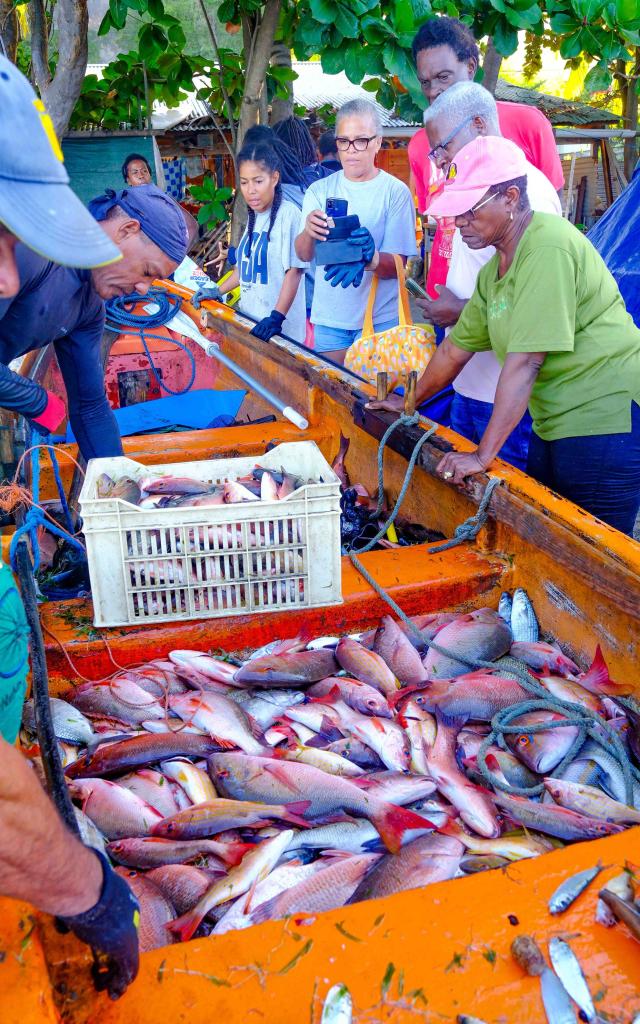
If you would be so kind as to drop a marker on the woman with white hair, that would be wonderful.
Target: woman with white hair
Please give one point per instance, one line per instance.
(387, 227)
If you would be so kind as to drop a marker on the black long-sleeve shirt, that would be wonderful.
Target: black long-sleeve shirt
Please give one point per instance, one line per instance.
(58, 305)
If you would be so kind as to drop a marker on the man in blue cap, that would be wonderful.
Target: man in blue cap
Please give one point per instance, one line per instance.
(40, 861)
(60, 304)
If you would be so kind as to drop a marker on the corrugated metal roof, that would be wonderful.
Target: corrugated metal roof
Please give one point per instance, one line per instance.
(558, 110)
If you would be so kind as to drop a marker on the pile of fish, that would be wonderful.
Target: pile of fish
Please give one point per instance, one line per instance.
(184, 492)
(322, 772)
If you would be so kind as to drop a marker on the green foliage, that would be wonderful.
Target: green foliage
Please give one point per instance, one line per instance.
(215, 203)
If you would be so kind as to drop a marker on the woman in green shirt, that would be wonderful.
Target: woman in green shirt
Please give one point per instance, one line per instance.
(550, 310)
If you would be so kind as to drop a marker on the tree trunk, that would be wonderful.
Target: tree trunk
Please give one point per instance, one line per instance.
(9, 28)
(631, 117)
(60, 93)
(282, 108)
(491, 67)
(257, 55)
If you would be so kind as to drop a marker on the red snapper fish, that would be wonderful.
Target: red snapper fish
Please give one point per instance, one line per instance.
(481, 635)
(478, 695)
(474, 805)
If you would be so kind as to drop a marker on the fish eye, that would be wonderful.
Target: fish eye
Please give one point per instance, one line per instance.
(523, 741)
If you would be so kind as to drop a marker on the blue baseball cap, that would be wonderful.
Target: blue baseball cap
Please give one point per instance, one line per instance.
(37, 203)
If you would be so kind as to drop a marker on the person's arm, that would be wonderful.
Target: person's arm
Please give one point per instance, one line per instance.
(232, 282)
(91, 417)
(512, 398)
(289, 290)
(399, 234)
(383, 264)
(443, 368)
(40, 861)
(445, 311)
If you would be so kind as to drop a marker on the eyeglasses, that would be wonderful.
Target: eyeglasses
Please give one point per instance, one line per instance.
(443, 145)
(344, 144)
(470, 214)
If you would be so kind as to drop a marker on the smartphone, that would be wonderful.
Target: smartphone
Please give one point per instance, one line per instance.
(336, 208)
(415, 288)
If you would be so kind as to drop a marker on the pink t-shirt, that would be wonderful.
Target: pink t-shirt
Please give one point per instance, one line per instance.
(527, 127)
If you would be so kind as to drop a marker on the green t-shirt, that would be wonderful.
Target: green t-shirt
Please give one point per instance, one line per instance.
(558, 297)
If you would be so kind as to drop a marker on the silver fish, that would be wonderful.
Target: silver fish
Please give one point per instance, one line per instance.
(68, 722)
(265, 706)
(504, 607)
(571, 888)
(557, 1004)
(567, 966)
(524, 624)
(338, 1006)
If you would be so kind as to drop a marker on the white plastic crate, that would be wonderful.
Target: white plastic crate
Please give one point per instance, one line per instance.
(163, 564)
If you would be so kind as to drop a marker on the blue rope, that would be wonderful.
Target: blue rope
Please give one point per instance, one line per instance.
(35, 516)
(120, 314)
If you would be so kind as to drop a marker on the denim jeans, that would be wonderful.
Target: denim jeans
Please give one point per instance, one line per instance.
(470, 417)
(601, 473)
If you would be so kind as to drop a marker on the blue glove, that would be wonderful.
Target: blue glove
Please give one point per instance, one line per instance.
(345, 274)
(111, 929)
(232, 256)
(363, 237)
(208, 291)
(271, 325)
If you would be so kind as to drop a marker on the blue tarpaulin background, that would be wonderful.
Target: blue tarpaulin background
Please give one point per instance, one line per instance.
(616, 236)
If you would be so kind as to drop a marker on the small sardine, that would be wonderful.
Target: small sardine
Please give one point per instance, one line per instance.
(524, 624)
(567, 966)
(621, 887)
(505, 606)
(570, 889)
(623, 910)
(69, 724)
(173, 485)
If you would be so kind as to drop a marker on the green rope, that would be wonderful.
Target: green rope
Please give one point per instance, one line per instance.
(587, 721)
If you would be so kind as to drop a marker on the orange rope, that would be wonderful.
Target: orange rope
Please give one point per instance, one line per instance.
(13, 494)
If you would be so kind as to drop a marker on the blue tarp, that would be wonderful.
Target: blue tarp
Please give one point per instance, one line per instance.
(194, 410)
(616, 236)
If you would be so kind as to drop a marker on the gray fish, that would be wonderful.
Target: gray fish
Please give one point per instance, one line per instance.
(89, 833)
(338, 1006)
(571, 888)
(504, 607)
(69, 724)
(357, 836)
(524, 624)
(567, 966)
(473, 863)
(266, 706)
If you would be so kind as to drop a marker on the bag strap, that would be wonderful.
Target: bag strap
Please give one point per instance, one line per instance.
(367, 326)
(404, 310)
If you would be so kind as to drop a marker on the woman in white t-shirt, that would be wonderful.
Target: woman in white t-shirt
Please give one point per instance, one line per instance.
(267, 269)
(387, 218)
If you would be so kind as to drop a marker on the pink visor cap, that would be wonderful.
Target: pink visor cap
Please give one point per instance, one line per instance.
(488, 160)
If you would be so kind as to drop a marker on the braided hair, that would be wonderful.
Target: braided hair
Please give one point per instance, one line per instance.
(265, 155)
(295, 133)
(291, 170)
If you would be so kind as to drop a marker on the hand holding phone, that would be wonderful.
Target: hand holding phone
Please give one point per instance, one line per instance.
(335, 208)
(415, 288)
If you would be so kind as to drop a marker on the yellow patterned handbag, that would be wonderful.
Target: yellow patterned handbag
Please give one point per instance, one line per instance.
(397, 350)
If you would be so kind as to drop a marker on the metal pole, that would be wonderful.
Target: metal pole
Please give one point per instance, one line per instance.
(298, 420)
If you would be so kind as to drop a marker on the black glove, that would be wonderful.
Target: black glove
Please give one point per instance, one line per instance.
(364, 238)
(271, 325)
(208, 291)
(345, 274)
(111, 929)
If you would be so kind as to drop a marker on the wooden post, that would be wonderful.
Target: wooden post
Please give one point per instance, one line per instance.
(410, 393)
(382, 384)
(606, 171)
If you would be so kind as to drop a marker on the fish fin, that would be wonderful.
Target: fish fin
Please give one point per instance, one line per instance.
(597, 680)
(250, 895)
(264, 911)
(336, 854)
(392, 822)
(471, 762)
(492, 762)
(184, 927)
(223, 743)
(295, 810)
(452, 828)
(279, 772)
(326, 698)
(456, 722)
(377, 724)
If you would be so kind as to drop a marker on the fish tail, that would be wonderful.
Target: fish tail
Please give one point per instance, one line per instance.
(184, 927)
(392, 822)
(597, 680)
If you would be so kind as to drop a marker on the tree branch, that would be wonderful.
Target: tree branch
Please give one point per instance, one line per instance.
(491, 67)
(39, 30)
(225, 95)
(9, 28)
(256, 66)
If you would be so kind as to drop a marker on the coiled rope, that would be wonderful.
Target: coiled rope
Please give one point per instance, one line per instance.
(120, 313)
